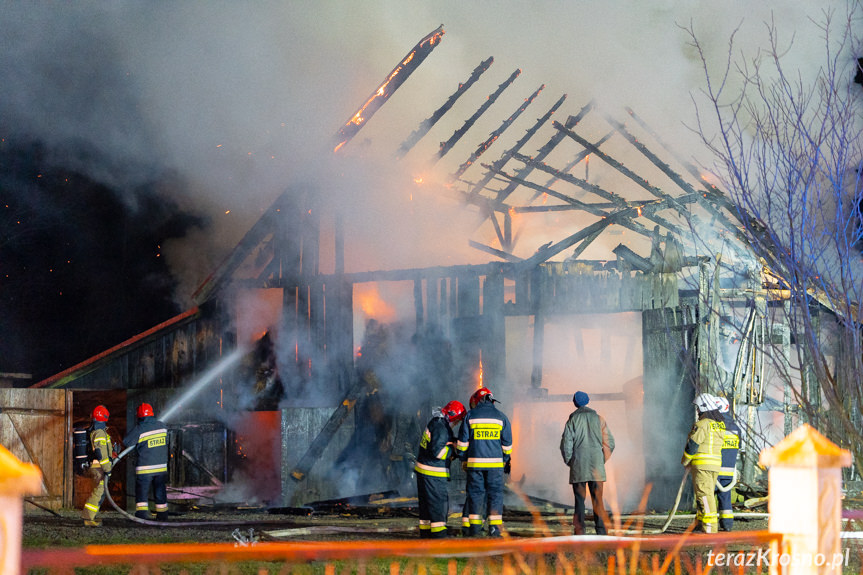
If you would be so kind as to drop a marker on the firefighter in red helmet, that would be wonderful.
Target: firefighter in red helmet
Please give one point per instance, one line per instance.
(100, 464)
(485, 443)
(436, 451)
(479, 396)
(150, 438)
(475, 398)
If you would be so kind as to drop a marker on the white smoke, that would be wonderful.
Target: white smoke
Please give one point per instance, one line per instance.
(240, 100)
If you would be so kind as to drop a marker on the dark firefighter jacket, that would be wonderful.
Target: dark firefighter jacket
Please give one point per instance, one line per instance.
(100, 444)
(436, 448)
(485, 437)
(150, 438)
(730, 447)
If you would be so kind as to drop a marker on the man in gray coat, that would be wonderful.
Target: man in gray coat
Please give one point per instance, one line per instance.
(586, 445)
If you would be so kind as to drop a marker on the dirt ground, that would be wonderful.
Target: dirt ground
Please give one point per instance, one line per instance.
(43, 529)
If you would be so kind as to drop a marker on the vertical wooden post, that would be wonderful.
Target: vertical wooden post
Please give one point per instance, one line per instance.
(418, 303)
(432, 304)
(805, 502)
(494, 342)
(537, 296)
(811, 387)
(785, 366)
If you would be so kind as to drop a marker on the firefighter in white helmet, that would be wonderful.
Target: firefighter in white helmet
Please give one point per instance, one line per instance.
(703, 456)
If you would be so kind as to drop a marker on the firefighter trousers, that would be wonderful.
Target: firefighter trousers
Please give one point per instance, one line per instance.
(485, 486)
(600, 517)
(433, 497)
(97, 497)
(143, 481)
(704, 483)
(726, 513)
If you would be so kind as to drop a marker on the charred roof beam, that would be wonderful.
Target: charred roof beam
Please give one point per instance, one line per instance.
(653, 190)
(584, 155)
(501, 162)
(545, 253)
(429, 122)
(495, 252)
(456, 136)
(593, 209)
(593, 188)
(393, 81)
(709, 201)
(545, 150)
(496, 134)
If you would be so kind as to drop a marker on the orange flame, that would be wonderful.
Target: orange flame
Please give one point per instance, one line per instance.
(372, 304)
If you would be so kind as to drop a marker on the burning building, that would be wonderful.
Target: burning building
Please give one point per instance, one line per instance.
(286, 384)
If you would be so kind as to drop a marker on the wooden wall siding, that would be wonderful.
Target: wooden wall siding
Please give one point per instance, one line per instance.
(578, 288)
(299, 428)
(34, 427)
(667, 339)
(168, 360)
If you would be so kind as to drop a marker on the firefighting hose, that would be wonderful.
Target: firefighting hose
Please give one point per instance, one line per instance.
(107, 478)
(676, 501)
(719, 487)
(309, 529)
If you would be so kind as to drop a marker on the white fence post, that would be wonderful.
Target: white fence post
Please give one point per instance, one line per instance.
(16, 480)
(805, 502)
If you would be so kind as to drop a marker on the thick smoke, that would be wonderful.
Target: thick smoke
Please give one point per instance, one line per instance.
(243, 99)
(239, 101)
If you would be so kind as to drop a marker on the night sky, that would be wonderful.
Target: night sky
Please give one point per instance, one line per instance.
(80, 268)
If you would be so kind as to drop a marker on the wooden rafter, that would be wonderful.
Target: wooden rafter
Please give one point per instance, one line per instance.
(476, 188)
(429, 122)
(480, 150)
(456, 136)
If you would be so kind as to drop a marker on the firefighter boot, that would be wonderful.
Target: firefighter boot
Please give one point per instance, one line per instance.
(494, 531)
(161, 516)
(143, 514)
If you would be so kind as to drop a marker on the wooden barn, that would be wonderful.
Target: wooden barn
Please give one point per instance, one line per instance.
(273, 395)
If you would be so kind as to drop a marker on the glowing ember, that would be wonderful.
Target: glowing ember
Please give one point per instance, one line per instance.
(394, 79)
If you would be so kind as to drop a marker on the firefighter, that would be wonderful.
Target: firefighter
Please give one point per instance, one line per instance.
(703, 456)
(485, 443)
(586, 444)
(437, 447)
(728, 472)
(100, 464)
(150, 438)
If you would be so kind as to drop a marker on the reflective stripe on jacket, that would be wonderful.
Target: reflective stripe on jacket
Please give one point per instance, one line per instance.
(704, 446)
(485, 437)
(436, 448)
(100, 442)
(150, 438)
(730, 447)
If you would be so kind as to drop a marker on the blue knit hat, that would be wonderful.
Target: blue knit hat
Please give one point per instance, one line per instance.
(580, 399)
